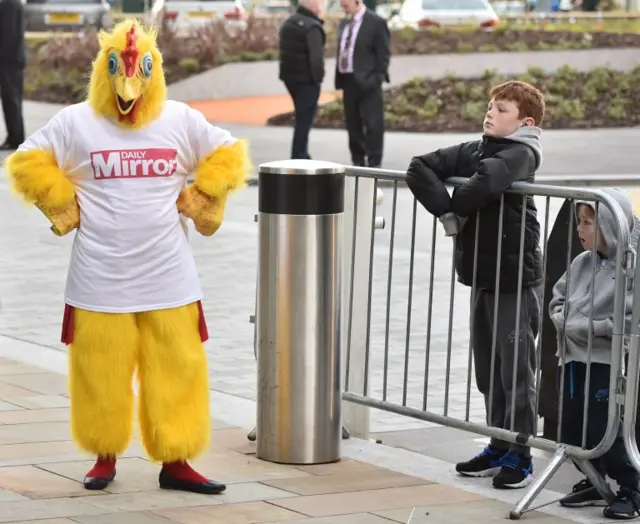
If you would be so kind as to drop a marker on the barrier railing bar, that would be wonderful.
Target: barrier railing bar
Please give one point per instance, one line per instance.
(563, 351)
(543, 312)
(447, 376)
(516, 347)
(389, 280)
(633, 374)
(587, 380)
(472, 427)
(353, 268)
(409, 304)
(429, 315)
(494, 323)
(472, 320)
(368, 342)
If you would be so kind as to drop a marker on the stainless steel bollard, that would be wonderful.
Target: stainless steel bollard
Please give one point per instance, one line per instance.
(301, 206)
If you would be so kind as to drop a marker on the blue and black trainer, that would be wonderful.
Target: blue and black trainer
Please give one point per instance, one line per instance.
(486, 464)
(516, 472)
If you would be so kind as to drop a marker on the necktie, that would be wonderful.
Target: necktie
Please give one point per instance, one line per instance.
(344, 57)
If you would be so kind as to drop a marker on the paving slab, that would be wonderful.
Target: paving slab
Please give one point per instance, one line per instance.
(349, 491)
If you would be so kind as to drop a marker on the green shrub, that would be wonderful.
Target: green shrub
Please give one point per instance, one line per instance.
(617, 109)
(431, 108)
(572, 108)
(473, 111)
(189, 65)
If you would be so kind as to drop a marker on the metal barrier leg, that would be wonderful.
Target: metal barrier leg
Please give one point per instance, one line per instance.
(596, 479)
(539, 483)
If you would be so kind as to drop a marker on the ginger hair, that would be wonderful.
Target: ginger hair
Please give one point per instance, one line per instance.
(529, 99)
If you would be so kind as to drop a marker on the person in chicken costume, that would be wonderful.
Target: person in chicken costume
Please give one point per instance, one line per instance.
(115, 169)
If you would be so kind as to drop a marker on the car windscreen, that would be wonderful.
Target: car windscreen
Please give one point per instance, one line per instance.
(452, 5)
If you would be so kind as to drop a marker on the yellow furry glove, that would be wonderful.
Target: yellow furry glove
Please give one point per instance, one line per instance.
(206, 211)
(63, 221)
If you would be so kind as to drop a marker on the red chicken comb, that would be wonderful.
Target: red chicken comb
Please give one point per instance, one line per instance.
(130, 53)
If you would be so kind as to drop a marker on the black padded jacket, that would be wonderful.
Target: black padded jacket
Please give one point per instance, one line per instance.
(491, 165)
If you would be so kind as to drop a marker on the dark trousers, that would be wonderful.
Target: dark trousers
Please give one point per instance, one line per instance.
(504, 390)
(305, 101)
(11, 88)
(615, 463)
(364, 117)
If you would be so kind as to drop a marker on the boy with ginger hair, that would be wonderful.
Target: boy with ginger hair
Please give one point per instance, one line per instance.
(508, 151)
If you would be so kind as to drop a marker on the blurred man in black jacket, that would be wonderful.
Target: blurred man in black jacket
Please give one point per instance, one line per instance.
(302, 41)
(12, 64)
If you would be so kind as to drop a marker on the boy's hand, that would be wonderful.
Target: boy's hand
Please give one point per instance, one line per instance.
(450, 223)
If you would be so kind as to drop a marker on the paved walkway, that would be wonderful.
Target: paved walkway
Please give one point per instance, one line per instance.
(257, 79)
(41, 476)
(33, 266)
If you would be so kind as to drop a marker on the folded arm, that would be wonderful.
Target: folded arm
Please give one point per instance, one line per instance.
(494, 175)
(425, 178)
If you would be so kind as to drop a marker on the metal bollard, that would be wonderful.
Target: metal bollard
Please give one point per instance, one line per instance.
(299, 411)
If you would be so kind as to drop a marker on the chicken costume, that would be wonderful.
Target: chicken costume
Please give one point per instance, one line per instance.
(115, 168)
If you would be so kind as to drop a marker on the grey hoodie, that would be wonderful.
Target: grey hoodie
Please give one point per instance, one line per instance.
(530, 136)
(569, 310)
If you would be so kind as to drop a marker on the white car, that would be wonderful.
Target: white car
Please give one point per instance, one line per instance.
(183, 15)
(424, 14)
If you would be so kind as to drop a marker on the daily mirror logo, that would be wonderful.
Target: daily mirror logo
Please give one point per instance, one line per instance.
(134, 163)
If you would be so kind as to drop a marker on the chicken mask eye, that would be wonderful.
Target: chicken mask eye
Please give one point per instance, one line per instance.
(147, 65)
(113, 64)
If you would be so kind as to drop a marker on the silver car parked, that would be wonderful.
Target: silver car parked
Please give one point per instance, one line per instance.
(67, 15)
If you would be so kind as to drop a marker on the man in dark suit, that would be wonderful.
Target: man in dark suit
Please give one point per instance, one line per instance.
(302, 41)
(361, 67)
(12, 64)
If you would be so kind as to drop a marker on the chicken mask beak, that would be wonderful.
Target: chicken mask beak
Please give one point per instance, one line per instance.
(130, 74)
(128, 92)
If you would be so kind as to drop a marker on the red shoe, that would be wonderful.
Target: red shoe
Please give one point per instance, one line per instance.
(101, 474)
(180, 476)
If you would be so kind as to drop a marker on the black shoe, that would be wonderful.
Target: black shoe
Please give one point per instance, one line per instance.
(98, 483)
(516, 472)
(625, 506)
(210, 487)
(583, 495)
(485, 464)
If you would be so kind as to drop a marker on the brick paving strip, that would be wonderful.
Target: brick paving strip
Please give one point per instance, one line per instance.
(41, 474)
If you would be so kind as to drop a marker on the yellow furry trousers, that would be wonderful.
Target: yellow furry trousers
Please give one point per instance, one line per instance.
(164, 349)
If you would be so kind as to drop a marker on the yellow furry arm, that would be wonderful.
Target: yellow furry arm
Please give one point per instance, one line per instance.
(36, 177)
(206, 212)
(225, 169)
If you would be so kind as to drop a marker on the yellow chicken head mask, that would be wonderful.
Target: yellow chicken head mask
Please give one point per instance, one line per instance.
(127, 81)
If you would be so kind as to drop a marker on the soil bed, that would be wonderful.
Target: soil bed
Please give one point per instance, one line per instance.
(599, 98)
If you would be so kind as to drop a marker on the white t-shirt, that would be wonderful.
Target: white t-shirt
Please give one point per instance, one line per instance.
(131, 252)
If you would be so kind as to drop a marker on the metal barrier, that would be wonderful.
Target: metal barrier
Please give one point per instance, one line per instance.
(633, 375)
(372, 365)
